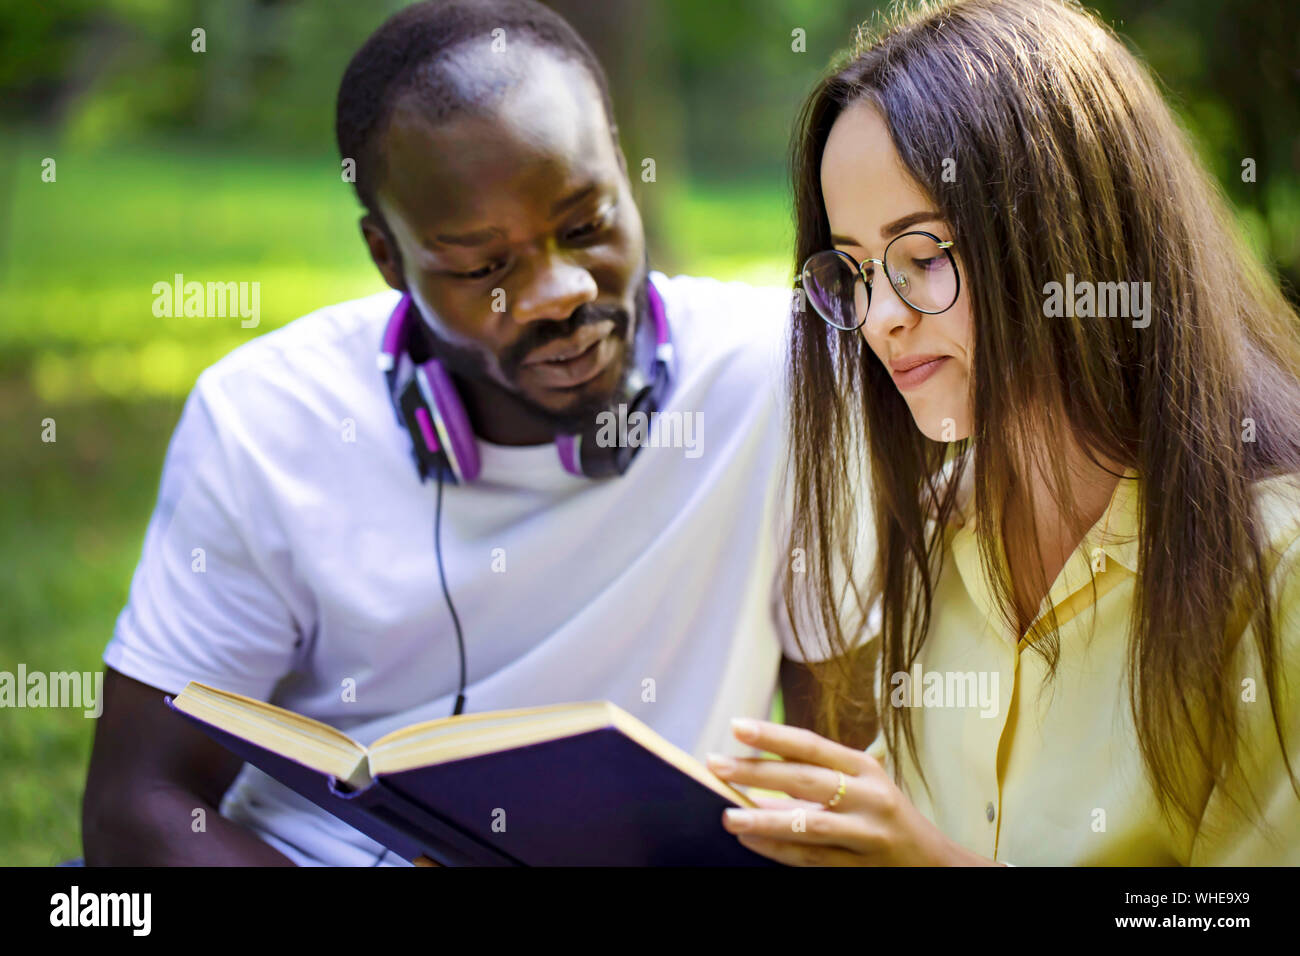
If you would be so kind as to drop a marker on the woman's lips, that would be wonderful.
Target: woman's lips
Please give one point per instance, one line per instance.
(574, 371)
(918, 374)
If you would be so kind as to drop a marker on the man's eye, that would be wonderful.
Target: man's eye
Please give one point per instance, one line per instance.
(480, 273)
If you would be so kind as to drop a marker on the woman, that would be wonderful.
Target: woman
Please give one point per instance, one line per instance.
(1081, 398)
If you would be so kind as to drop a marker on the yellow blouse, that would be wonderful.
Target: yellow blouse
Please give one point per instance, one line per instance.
(1025, 770)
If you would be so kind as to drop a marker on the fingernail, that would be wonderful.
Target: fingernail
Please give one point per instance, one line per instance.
(721, 764)
(744, 728)
(738, 819)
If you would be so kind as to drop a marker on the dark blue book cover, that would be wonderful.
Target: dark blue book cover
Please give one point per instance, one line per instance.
(595, 798)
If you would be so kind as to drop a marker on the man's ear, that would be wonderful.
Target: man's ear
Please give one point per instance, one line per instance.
(383, 251)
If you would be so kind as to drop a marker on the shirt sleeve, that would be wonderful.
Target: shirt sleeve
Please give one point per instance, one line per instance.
(1226, 836)
(850, 583)
(817, 645)
(204, 604)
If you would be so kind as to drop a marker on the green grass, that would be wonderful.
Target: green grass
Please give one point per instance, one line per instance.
(79, 343)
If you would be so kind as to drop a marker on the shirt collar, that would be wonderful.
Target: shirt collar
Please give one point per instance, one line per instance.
(1118, 531)
(1116, 536)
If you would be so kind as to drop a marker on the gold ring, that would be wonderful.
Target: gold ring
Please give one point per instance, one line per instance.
(839, 794)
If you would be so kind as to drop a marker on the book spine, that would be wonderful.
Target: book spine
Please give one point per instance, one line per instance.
(444, 842)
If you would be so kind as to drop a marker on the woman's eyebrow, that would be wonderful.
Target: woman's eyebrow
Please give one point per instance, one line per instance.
(906, 222)
(892, 228)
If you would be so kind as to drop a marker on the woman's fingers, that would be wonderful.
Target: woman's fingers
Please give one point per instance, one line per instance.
(802, 837)
(802, 854)
(822, 827)
(796, 743)
(784, 803)
(816, 785)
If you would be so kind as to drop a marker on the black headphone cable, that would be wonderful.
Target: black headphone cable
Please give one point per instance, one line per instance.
(442, 576)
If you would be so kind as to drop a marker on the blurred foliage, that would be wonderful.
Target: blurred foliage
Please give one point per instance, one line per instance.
(708, 89)
(221, 166)
(1232, 72)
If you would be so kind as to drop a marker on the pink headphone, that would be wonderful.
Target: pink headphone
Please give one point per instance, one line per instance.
(441, 436)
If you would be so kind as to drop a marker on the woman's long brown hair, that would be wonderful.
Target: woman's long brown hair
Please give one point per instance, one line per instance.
(1062, 159)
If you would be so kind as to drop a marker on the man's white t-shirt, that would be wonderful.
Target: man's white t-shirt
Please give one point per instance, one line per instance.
(291, 555)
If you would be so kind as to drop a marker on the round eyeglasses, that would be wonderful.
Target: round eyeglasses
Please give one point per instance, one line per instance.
(921, 269)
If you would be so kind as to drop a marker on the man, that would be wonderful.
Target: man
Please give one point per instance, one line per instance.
(292, 556)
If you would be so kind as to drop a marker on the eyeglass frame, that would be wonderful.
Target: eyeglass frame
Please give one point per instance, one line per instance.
(859, 268)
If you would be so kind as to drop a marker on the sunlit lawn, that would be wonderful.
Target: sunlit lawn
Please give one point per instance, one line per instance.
(79, 344)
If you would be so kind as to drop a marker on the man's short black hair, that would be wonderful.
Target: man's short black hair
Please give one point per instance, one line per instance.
(403, 56)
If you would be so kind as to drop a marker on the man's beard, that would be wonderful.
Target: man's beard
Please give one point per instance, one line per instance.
(468, 364)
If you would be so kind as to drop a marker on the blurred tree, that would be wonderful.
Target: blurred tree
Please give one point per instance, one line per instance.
(708, 90)
(1232, 71)
(632, 41)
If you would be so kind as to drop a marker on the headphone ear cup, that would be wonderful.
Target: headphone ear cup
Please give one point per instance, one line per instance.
(596, 461)
(643, 391)
(428, 405)
(425, 445)
(450, 420)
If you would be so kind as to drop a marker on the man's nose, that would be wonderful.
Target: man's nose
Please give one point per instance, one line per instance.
(552, 288)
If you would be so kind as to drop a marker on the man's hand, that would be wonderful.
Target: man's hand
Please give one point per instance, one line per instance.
(150, 770)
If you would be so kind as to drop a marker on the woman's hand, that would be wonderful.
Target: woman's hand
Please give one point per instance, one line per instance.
(869, 823)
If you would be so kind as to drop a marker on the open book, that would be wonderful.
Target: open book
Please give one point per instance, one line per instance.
(564, 785)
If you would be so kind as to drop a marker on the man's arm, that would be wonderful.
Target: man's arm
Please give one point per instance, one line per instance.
(798, 694)
(149, 771)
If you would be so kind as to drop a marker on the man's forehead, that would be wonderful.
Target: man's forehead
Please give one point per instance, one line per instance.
(529, 142)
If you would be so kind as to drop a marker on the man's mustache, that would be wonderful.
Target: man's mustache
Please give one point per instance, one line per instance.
(538, 334)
